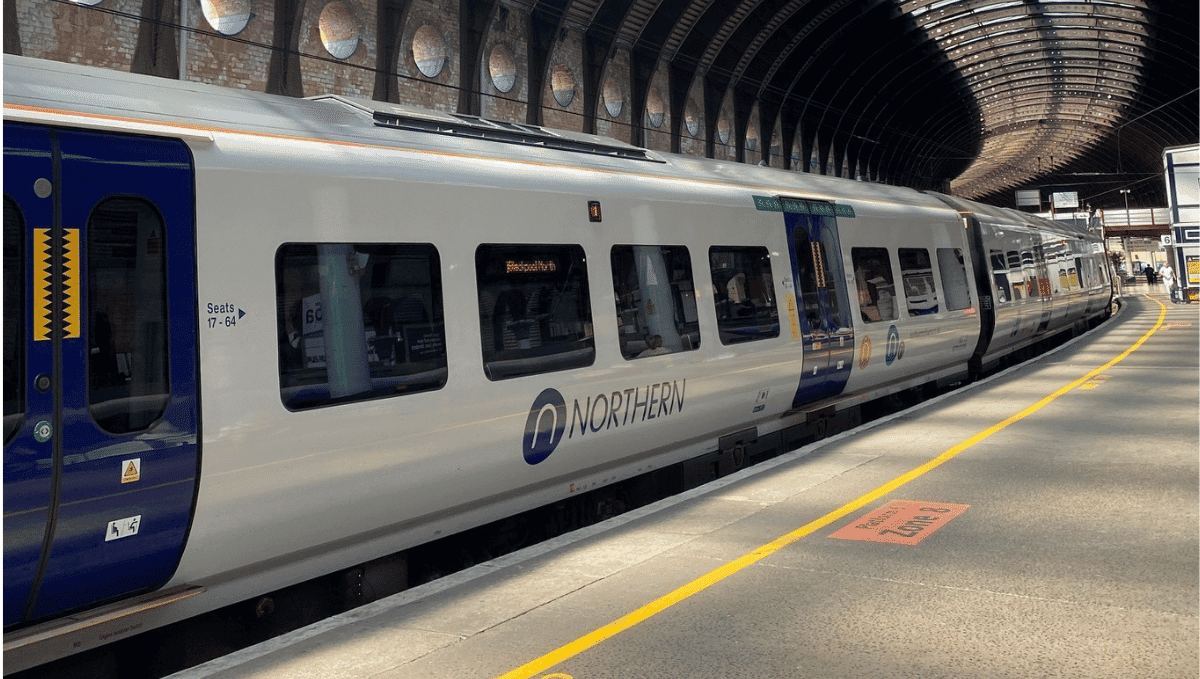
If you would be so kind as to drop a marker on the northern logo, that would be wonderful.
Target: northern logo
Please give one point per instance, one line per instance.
(895, 348)
(545, 425)
(549, 418)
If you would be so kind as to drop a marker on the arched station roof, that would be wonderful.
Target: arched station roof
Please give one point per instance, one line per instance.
(978, 97)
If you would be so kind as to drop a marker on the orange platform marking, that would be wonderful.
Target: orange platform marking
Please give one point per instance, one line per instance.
(903, 522)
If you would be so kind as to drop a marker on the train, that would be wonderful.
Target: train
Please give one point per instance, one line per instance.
(252, 339)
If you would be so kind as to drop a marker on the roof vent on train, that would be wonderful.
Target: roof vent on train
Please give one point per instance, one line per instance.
(474, 127)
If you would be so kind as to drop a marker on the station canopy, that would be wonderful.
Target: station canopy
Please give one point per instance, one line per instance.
(976, 97)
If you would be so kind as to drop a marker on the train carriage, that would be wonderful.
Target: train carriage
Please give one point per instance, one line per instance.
(250, 340)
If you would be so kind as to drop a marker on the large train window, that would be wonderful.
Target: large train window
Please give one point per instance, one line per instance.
(920, 291)
(744, 294)
(656, 300)
(358, 321)
(534, 310)
(876, 286)
(128, 378)
(14, 317)
(954, 278)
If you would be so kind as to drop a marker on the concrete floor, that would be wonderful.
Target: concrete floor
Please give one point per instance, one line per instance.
(1077, 555)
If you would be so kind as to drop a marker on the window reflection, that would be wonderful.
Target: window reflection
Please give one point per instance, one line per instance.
(128, 377)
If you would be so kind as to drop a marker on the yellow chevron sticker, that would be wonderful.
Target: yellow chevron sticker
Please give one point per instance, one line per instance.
(41, 284)
(71, 289)
(793, 316)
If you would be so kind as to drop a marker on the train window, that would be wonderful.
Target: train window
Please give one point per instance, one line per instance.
(916, 272)
(14, 317)
(1000, 276)
(954, 278)
(744, 294)
(656, 300)
(876, 286)
(816, 272)
(358, 321)
(1016, 275)
(534, 310)
(128, 377)
(1032, 281)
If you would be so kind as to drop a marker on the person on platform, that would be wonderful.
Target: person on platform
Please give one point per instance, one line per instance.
(1168, 279)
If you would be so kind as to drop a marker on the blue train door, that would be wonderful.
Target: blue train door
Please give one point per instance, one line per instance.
(100, 384)
(817, 269)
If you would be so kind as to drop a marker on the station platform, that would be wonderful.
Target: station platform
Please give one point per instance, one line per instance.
(1043, 523)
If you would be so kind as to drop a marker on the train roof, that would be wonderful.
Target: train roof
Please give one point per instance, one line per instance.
(1011, 217)
(51, 92)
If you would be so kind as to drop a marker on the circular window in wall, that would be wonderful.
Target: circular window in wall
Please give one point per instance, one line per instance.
(691, 120)
(614, 98)
(339, 30)
(723, 129)
(429, 51)
(751, 137)
(655, 110)
(502, 68)
(227, 17)
(562, 83)
(87, 3)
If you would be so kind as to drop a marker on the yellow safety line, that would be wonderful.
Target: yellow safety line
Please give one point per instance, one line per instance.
(623, 623)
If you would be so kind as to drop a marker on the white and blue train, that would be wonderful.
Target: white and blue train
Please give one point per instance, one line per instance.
(250, 340)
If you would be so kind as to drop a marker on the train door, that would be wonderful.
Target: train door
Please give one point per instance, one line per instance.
(828, 336)
(100, 384)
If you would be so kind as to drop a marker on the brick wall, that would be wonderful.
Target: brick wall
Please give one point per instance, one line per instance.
(777, 145)
(616, 81)
(417, 89)
(75, 33)
(693, 116)
(658, 100)
(507, 31)
(79, 34)
(724, 149)
(239, 60)
(566, 60)
(343, 23)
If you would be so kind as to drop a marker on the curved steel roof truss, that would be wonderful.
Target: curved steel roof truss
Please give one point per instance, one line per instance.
(978, 97)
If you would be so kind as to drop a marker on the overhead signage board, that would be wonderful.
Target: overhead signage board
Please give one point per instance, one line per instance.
(802, 207)
(1065, 200)
(1029, 198)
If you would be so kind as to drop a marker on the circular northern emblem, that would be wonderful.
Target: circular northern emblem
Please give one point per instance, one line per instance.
(864, 353)
(894, 345)
(544, 426)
